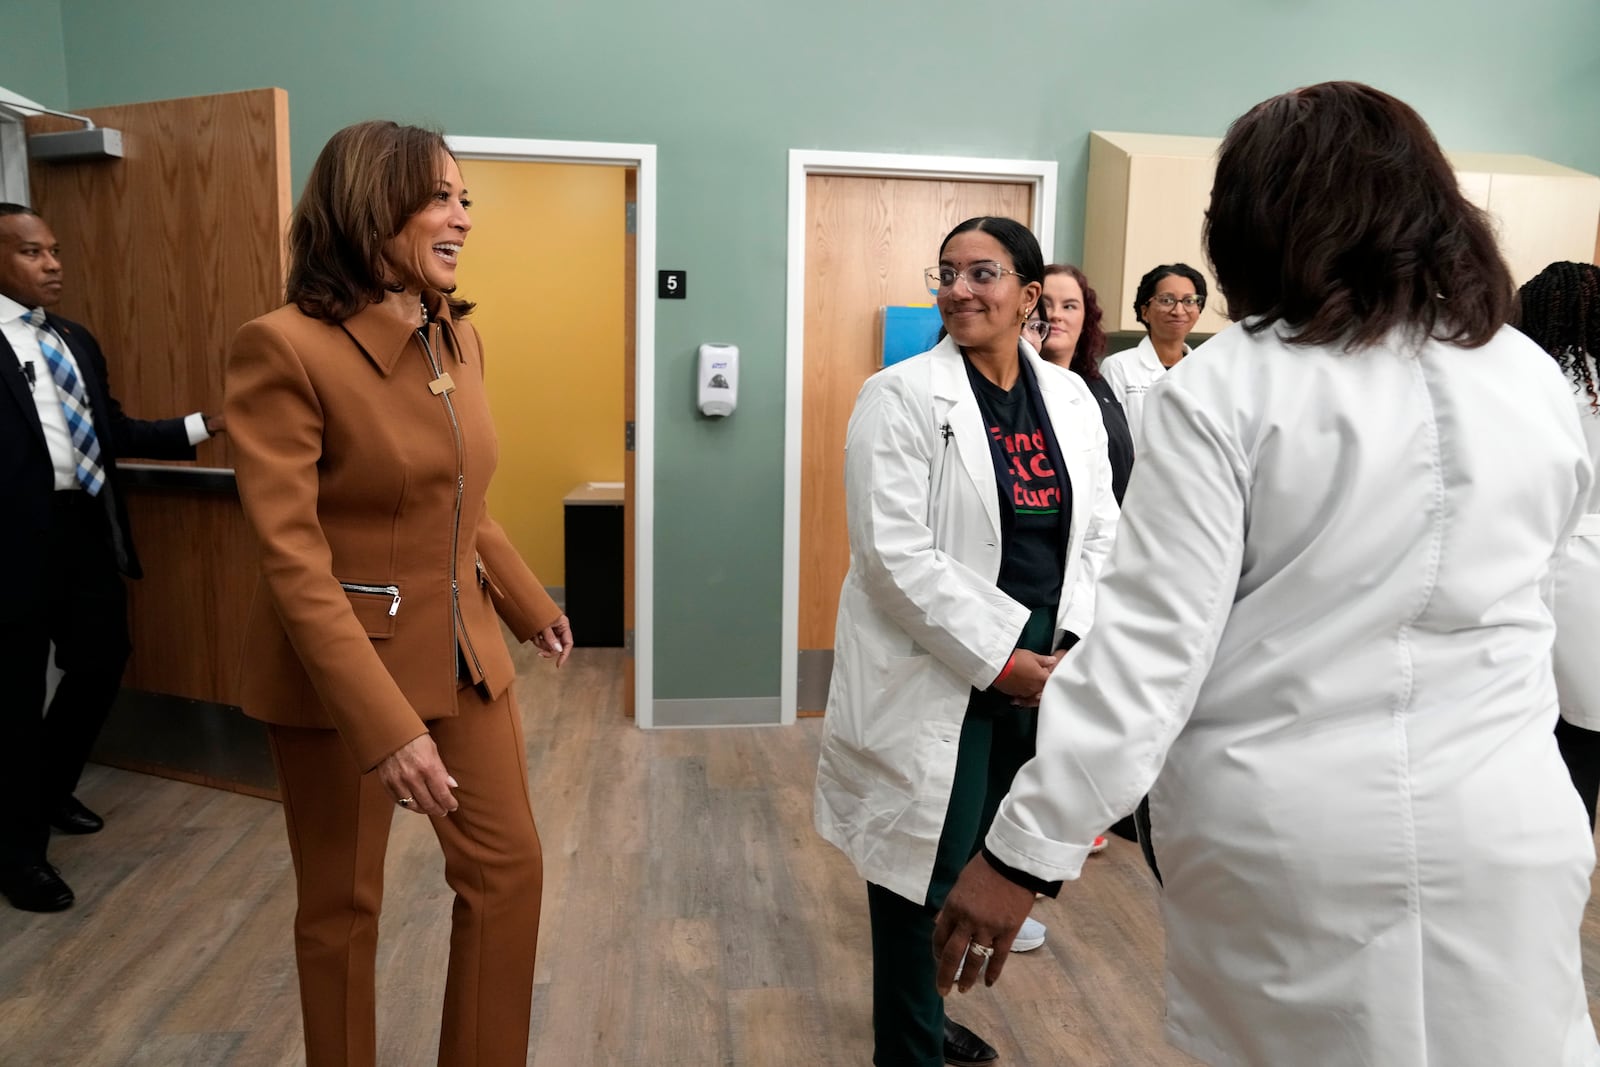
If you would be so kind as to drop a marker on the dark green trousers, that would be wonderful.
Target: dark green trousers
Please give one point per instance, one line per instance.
(996, 740)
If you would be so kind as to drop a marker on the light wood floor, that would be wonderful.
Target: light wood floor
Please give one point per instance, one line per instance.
(691, 916)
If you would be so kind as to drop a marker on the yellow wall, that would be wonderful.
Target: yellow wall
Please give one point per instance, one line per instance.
(545, 262)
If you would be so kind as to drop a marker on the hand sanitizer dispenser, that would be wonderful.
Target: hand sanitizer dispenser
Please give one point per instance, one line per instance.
(718, 378)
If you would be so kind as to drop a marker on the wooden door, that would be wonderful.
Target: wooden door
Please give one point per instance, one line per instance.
(868, 241)
(167, 251)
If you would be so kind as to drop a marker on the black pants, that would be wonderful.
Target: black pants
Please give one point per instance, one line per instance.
(907, 1011)
(83, 611)
(1581, 750)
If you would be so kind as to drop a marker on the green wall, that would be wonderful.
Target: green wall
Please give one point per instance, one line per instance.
(726, 88)
(32, 58)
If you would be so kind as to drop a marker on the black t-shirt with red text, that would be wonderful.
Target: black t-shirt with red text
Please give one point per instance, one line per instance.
(1035, 498)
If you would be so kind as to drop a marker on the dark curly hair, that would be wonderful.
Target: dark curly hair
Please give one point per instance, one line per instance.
(1334, 212)
(1092, 338)
(1560, 309)
(1152, 278)
(368, 180)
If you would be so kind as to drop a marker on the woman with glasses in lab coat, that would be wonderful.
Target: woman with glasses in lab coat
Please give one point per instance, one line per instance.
(1168, 301)
(980, 508)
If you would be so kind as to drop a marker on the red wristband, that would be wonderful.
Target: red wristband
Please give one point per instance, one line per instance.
(1004, 670)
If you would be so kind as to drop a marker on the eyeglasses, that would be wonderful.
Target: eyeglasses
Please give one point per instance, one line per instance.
(1038, 329)
(1166, 302)
(980, 277)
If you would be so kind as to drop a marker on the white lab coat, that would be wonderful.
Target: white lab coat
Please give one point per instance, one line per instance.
(1130, 374)
(1577, 600)
(1323, 614)
(921, 621)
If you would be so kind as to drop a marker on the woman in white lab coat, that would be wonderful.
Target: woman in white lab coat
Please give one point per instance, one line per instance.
(980, 510)
(1559, 309)
(1324, 628)
(1168, 301)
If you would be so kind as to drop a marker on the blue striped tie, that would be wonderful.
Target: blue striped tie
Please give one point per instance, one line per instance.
(74, 405)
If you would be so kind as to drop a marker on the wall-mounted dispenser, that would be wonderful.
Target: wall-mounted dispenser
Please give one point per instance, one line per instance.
(718, 378)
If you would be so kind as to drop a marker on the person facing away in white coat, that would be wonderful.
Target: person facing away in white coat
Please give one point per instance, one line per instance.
(1324, 639)
(980, 510)
(1559, 308)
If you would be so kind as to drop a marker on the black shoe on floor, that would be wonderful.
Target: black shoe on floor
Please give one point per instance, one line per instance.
(35, 887)
(963, 1048)
(71, 817)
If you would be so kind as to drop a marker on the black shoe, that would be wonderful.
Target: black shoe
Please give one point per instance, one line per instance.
(35, 887)
(963, 1048)
(71, 817)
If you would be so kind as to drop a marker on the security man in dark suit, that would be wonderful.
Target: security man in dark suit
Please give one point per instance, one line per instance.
(64, 546)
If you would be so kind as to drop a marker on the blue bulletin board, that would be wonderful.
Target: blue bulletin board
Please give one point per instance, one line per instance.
(907, 330)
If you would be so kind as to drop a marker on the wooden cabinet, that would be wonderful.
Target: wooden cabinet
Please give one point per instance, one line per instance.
(1148, 193)
(1542, 212)
(1146, 206)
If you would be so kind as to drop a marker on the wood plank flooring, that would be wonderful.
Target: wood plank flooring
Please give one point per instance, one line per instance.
(691, 916)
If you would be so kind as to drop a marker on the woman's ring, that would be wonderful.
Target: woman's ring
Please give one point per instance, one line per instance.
(406, 802)
(981, 951)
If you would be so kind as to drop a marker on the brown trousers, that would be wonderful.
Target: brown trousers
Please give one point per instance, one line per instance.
(339, 822)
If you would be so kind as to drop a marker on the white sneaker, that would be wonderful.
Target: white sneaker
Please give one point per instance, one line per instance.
(1030, 937)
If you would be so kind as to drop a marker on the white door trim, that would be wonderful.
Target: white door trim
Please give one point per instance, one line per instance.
(642, 157)
(1040, 173)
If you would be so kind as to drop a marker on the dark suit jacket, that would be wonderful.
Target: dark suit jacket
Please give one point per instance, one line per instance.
(27, 476)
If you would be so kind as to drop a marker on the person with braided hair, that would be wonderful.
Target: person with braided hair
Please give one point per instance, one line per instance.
(1560, 310)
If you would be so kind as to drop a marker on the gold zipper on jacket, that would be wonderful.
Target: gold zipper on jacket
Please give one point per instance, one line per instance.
(455, 531)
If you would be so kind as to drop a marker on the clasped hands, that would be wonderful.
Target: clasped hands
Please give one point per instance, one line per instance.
(1024, 682)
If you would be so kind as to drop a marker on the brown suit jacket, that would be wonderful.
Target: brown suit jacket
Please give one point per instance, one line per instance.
(353, 471)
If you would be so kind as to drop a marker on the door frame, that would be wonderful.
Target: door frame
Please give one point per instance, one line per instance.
(641, 157)
(804, 162)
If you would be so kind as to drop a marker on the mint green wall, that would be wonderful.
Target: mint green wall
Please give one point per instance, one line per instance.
(725, 88)
(32, 58)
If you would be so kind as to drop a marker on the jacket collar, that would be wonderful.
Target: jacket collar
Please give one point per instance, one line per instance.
(950, 384)
(382, 337)
(1147, 355)
(950, 374)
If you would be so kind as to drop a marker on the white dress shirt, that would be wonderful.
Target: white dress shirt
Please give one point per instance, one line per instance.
(24, 340)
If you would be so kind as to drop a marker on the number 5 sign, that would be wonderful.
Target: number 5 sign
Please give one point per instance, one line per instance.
(672, 284)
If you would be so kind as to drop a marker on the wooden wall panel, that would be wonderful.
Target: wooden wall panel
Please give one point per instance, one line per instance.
(167, 251)
(188, 613)
(868, 241)
(170, 249)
